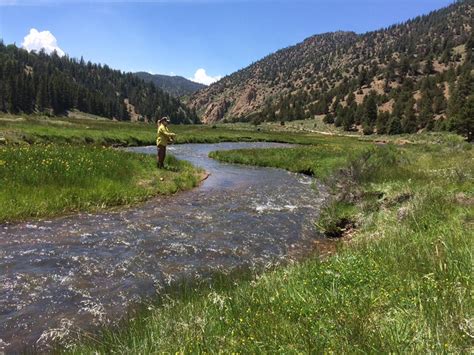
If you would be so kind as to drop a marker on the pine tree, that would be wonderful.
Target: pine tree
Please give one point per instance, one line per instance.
(429, 68)
(470, 48)
(439, 101)
(363, 78)
(465, 125)
(350, 99)
(349, 118)
(394, 125)
(328, 118)
(382, 123)
(404, 66)
(409, 118)
(367, 128)
(339, 116)
(359, 114)
(458, 100)
(42, 96)
(425, 105)
(370, 112)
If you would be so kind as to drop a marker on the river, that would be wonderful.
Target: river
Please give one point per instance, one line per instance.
(59, 276)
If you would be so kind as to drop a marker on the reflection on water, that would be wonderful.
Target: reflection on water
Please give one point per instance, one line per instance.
(61, 275)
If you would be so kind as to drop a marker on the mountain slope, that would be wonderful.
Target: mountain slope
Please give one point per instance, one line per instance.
(245, 91)
(176, 86)
(328, 72)
(37, 82)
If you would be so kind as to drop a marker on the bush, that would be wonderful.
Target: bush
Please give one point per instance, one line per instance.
(367, 129)
(329, 118)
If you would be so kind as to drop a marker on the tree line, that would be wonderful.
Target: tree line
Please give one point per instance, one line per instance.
(33, 82)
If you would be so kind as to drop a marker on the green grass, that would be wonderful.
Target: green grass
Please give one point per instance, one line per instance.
(46, 180)
(40, 129)
(320, 159)
(404, 284)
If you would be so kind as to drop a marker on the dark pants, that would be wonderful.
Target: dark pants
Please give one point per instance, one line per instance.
(161, 155)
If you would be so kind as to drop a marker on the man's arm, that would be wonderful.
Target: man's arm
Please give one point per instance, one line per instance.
(168, 133)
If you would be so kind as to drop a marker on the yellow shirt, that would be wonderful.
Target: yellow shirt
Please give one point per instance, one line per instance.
(164, 135)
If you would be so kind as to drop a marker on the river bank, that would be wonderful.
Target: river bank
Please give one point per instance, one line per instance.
(402, 285)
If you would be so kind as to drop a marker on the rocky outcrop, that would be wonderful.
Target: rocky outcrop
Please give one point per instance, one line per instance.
(216, 111)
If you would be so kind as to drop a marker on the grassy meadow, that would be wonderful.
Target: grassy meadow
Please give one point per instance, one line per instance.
(46, 180)
(53, 166)
(401, 283)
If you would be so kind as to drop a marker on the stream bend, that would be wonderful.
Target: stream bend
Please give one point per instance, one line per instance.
(86, 270)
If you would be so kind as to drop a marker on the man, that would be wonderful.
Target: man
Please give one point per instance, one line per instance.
(164, 138)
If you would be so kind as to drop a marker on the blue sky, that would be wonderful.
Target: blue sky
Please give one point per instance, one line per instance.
(182, 36)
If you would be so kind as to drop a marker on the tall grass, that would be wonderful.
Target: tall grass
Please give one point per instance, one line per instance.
(403, 285)
(44, 180)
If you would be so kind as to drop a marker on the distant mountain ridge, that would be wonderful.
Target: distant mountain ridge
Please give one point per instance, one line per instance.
(408, 71)
(176, 86)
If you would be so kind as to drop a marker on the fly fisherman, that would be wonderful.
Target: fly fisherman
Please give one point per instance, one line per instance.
(164, 138)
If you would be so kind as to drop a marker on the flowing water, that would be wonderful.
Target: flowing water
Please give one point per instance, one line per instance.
(62, 275)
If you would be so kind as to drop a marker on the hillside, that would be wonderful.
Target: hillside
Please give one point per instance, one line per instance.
(403, 78)
(176, 86)
(39, 83)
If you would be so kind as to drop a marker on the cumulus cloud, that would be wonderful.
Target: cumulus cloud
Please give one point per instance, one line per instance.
(35, 41)
(200, 76)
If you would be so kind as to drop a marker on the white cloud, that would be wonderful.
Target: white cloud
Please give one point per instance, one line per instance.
(35, 41)
(200, 76)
